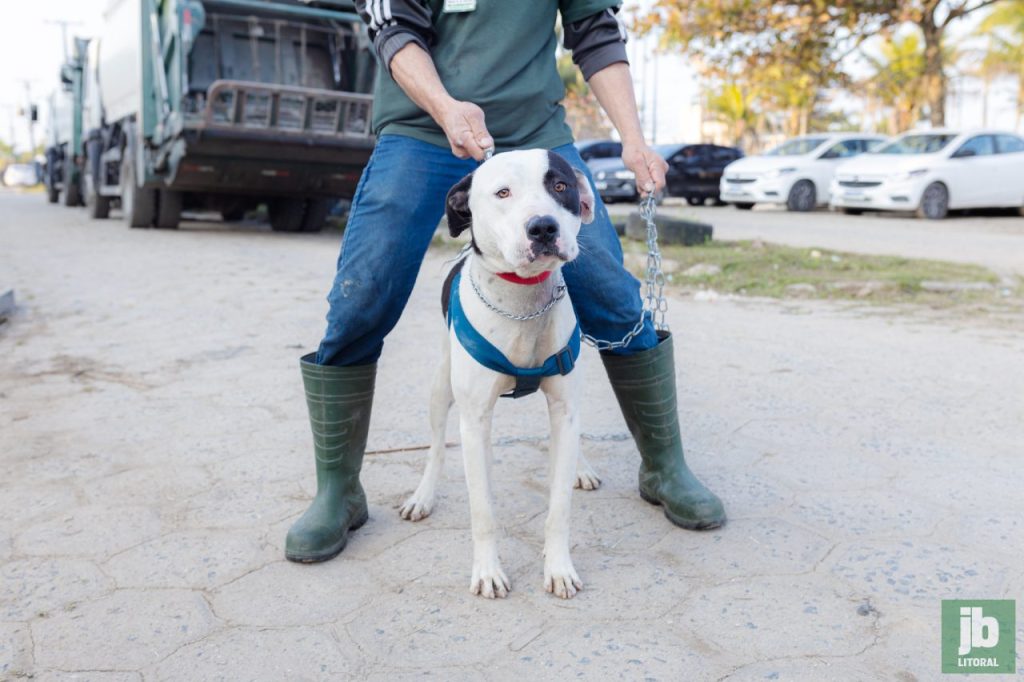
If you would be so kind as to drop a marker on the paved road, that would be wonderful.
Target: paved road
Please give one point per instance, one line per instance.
(154, 449)
(996, 242)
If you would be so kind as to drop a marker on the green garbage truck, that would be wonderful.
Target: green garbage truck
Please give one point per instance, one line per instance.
(62, 152)
(221, 105)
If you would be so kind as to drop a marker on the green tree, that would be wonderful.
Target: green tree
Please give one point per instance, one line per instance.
(809, 37)
(732, 105)
(1004, 55)
(898, 82)
(583, 112)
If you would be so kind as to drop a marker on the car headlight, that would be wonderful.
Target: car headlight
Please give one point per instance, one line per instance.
(600, 175)
(903, 177)
(624, 174)
(779, 172)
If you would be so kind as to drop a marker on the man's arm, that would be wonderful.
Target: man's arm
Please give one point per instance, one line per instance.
(598, 45)
(613, 86)
(402, 33)
(462, 122)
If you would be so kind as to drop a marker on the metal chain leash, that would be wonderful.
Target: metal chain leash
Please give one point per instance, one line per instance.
(655, 303)
(557, 295)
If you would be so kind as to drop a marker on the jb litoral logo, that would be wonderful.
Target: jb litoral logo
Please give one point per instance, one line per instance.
(978, 636)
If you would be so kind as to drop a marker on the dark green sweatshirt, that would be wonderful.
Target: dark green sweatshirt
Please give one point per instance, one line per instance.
(500, 56)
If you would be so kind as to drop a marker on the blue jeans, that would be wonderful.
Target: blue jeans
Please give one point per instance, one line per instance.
(396, 209)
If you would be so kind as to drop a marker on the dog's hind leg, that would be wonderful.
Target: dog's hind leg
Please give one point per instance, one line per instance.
(586, 477)
(421, 503)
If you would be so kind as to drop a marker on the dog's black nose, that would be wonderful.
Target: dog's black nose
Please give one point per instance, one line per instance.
(542, 229)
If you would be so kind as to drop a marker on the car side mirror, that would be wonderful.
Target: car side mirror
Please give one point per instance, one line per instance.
(964, 153)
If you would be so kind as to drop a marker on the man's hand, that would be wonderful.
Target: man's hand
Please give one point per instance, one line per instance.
(647, 165)
(463, 124)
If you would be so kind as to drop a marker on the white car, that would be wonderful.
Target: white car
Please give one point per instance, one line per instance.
(797, 173)
(933, 172)
(20, 175)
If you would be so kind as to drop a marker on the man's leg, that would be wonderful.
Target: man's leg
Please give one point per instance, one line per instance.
(395, 211)
(642, 374)
(397, 206)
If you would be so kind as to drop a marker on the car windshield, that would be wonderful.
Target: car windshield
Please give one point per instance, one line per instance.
(797, 147)
(667, 150)
(917, 144)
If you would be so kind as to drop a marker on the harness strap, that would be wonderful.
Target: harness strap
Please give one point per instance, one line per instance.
(487, 354)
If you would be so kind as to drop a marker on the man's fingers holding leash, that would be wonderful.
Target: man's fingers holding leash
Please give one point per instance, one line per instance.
(467, 132)
(648, 167)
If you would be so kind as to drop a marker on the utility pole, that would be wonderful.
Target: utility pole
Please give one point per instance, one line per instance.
(63, 23)
(654, 99)
(29, 110)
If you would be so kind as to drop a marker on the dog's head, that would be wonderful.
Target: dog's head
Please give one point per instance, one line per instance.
(525, 209)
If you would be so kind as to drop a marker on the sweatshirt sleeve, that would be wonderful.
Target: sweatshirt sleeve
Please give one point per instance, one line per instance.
(596, 41)
(393, 24)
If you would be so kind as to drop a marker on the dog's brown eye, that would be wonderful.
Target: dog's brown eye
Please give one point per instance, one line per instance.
(503, 193)
(559, 186)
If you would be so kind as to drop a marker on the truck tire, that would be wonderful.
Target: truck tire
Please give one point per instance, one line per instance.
(317, 211)
(168, 209)
(97, 205)
(286, 215)
(137, 203)
(72, 194)
(232, 215)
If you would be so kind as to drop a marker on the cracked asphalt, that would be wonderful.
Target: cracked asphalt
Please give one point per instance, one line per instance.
(154, 449)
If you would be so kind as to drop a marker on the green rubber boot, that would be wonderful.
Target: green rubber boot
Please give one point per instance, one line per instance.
(645, 386)
(339, 400)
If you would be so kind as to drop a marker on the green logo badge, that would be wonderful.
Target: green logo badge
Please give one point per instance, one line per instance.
(978, 636)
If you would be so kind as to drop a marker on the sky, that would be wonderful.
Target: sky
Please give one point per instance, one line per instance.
(31, 50)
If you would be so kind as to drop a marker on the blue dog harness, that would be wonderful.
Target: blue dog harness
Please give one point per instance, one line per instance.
(483, 351)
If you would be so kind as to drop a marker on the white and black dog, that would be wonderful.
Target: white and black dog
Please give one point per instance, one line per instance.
(512, 330)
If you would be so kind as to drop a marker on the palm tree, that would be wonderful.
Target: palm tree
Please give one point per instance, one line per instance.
(1004, 27)
(733, 107)
(899, 81)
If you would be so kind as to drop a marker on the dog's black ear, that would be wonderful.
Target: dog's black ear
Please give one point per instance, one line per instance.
(456, 207)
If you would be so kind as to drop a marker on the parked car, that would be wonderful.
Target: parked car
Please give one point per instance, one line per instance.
(694, 172)
(934, 172)
(21, 175)
(598, 149)
(797, 173)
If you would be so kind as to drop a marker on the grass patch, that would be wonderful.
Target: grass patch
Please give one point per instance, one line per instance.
(755, 268)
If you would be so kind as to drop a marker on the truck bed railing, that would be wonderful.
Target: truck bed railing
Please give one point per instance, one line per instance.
(286, 110)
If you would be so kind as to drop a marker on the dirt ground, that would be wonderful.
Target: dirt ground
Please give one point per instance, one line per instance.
(154, 449)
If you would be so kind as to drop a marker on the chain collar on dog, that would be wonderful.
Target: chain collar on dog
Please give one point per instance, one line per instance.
(556, 296)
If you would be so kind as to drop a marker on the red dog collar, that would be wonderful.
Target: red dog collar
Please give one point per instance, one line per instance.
(516, 279)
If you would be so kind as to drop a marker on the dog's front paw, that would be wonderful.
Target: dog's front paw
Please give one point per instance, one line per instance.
(560, 578)
(489, 580)
(418, 506)
(586, 477)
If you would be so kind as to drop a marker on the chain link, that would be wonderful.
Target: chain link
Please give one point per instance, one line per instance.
(557, 295)
(655, 304)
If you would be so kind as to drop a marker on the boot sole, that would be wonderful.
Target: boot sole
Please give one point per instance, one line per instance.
(682, 523)
(333, 551)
